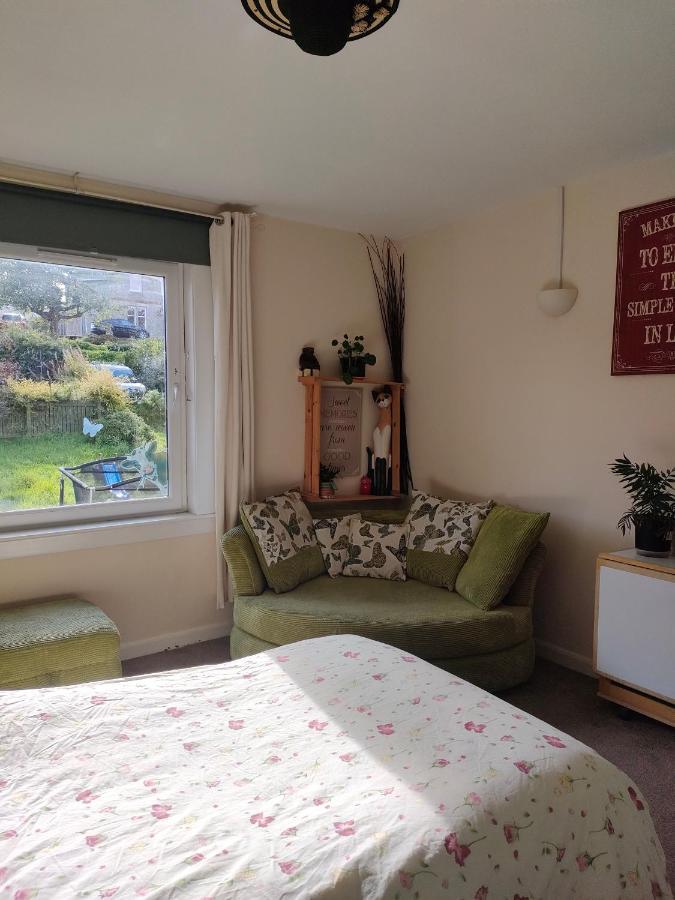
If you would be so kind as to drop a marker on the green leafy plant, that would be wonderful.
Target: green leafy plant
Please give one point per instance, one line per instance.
(125, 427)
(328, 474)
(146, 358)
(36, 354)
(152, 408)
(353, 357)
(652, 493)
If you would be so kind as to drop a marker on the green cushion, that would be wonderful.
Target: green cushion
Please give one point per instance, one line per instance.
(242, 562)
(288, 573)
(57, 642)
(502, 546)
(436, 569)
(430, 622)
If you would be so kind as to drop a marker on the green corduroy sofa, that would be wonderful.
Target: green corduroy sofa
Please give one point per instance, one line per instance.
(494, 649)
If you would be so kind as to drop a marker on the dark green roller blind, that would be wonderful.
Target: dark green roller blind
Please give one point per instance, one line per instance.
(53, 219)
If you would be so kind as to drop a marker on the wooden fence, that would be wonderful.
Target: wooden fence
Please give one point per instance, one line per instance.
(44, 418)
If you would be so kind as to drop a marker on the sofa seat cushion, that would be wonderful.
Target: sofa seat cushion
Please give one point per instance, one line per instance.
(428, 621)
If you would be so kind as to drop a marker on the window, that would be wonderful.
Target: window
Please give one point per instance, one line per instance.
(135, 283)
(92, 415)
(136, 316)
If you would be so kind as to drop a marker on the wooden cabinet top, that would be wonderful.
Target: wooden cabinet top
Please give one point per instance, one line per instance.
(632, 558)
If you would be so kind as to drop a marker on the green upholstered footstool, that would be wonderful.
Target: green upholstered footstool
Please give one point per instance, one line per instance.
(57, 642)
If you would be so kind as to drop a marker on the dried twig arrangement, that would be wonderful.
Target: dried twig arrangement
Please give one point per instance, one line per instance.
(388, 267)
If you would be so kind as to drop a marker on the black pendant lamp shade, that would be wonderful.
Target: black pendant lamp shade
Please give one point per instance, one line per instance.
(321, 27)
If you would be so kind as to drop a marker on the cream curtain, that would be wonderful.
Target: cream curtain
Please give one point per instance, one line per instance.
(233, 350)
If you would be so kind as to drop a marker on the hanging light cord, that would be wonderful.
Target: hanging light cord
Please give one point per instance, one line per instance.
(562, 234)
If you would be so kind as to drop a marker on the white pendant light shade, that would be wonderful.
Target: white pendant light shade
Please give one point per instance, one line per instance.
(559, 300)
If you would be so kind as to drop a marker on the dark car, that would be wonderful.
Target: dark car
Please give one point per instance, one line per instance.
(119, 328)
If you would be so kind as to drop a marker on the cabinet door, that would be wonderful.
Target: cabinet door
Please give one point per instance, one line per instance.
(635, 640)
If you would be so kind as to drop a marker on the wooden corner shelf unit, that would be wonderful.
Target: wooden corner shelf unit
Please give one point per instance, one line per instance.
(313, 385)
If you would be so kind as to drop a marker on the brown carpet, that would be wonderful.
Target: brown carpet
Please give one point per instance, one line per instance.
(642, 748)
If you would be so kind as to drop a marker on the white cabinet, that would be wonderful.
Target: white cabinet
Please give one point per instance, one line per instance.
(634, 648)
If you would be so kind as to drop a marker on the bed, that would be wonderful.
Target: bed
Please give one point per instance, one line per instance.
(331, 768)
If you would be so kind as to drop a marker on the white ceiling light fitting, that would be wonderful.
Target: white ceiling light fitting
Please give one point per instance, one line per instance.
(558, 301)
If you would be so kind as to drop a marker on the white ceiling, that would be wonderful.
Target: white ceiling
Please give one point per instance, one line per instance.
(453, 105)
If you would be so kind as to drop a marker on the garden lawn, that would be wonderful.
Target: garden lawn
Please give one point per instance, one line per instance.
(29, 466)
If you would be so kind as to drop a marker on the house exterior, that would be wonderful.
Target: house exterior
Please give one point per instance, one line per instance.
(137, 298)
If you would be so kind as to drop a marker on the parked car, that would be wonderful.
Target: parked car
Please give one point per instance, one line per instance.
(119, 328)
(12, 318)
(125, 377)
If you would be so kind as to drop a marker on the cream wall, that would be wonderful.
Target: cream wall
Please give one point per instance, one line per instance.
(507, 403)
(159, 593)
(309, 285)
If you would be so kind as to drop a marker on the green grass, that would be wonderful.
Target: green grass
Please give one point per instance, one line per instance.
(29, 467)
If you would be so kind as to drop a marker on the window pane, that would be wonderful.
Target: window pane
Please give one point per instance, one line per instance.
(82, 386)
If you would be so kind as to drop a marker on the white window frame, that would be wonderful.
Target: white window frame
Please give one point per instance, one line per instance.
(112, 511)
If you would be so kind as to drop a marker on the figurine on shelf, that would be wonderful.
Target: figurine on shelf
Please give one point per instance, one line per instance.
(381, 463)
(308, 363)
(366, 485)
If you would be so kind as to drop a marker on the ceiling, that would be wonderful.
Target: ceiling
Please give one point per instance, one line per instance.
(454, 105)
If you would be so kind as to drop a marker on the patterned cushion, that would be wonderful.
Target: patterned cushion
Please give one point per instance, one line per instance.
(442, 533)
(500, 551)
(377, 551)
(282, 534)
(333, 537)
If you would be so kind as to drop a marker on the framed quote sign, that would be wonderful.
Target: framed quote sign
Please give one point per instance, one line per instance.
(341, 429)
(644, 311)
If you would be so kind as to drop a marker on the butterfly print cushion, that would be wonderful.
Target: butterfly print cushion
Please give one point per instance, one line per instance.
(282, 534)
(442, 533)
(333, 538)
(377, 551)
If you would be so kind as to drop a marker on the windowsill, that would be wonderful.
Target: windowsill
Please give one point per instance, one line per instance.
(39, 541)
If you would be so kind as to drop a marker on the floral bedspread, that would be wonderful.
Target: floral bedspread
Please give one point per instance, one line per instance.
(337, 767)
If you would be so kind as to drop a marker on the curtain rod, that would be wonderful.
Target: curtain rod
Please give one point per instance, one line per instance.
(105, 190)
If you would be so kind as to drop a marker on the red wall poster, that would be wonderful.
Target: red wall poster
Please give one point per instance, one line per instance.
(644, 311)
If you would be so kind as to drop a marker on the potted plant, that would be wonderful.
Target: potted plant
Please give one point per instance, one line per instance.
(653, 508)
(327, 475)
(353, 358)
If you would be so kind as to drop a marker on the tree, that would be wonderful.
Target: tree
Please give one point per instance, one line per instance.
(53, 292)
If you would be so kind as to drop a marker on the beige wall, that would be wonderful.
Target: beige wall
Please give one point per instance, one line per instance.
(507, 403)
(309, 285)
(163, 587)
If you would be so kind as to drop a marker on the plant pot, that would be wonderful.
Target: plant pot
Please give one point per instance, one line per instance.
(653, 537)
(357, 367)
(326, 491)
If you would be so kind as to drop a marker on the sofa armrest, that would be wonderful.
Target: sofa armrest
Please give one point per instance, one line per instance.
(523, 589)
(242, 563)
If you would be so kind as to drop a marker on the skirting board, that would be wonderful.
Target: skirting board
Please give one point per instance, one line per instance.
(133, 649)
(566, 658)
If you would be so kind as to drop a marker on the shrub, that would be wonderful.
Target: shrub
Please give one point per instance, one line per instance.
(101, 354)
(75, 365)
(125, 427)
(38, 355)
(98, 386)
(24, 391)
(146, 358)
(152, 408)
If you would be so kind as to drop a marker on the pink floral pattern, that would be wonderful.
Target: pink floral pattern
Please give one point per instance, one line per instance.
(301, 774)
